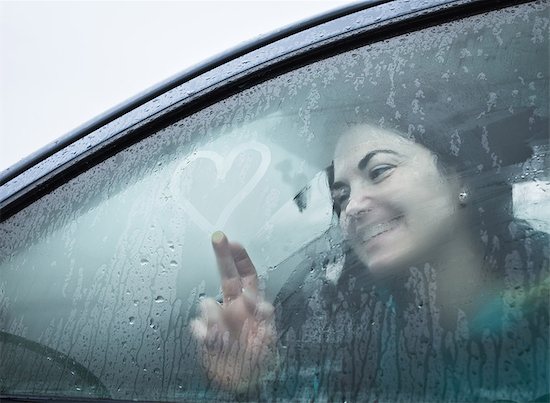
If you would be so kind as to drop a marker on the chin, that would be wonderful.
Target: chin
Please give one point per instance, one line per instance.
(386, 265)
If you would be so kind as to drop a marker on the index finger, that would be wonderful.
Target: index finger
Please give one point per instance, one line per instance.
(231, 281)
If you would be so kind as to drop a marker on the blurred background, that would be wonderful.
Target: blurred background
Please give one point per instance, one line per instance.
(63, 63)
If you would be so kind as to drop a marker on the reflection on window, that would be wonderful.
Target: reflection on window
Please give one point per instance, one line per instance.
(393, 200)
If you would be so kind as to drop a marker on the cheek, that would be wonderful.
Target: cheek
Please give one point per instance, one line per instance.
(435, 216)
(427, 192)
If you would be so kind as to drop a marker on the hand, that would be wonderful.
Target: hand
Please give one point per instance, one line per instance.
(237, 337)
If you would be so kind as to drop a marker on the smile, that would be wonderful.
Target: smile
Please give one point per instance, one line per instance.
(372, 231)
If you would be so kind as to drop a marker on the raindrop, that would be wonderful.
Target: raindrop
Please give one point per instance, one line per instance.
(136, 302)
(144, 261)
(173, 263)
(131, 319)
(202, 296)
(159, 299)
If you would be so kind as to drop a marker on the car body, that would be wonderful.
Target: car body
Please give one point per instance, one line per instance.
(105, 234)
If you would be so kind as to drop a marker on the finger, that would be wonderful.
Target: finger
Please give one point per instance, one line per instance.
(211, 312)
(250, 300)
(231, 282)
(199, 330)
(264, 311)
(235, 315)
(248, 307)
(261, 309)
(245, 267)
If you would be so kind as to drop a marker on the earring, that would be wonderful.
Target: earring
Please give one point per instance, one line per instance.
(463, 197)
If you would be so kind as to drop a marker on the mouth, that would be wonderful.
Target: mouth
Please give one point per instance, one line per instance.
(371, 232)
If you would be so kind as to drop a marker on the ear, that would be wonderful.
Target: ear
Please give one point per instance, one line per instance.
(460, 188)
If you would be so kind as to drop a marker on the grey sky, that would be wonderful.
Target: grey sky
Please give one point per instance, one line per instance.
(63, 63)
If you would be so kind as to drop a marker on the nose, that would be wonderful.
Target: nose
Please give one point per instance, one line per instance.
(358, 204)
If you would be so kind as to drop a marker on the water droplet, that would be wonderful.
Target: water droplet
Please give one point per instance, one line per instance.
(131, 319)
(144, 261)
(136, 302)
(173, 263)
(159, 299)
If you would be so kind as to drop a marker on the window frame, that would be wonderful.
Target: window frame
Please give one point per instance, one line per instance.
(218, 78)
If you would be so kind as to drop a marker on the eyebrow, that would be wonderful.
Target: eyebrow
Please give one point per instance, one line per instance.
(335, 185)
(365, 160)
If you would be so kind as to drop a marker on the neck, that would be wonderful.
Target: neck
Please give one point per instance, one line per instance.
(460, 280)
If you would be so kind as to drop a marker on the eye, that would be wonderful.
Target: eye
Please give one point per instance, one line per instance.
(380, 171)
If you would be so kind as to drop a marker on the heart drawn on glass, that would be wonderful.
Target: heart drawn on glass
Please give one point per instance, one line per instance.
(223, 165)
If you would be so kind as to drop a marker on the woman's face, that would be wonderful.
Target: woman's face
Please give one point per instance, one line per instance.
(397, 209)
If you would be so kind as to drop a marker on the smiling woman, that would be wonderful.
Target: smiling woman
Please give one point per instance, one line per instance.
(396, 208)
(380, 254)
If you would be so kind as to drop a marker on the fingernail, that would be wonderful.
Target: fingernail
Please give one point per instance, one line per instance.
(218, 237)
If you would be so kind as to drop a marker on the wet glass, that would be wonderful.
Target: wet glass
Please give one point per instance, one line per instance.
(393, 199)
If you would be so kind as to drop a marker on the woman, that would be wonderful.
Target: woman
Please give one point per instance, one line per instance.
(437, 298)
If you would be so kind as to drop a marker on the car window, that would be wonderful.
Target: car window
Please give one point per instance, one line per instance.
(394, 201)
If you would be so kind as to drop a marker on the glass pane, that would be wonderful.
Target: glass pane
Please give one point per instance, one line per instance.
(393, 200)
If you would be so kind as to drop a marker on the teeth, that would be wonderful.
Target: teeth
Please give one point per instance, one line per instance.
(377, 229)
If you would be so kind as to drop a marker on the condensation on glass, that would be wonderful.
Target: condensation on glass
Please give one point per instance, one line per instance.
(394, 199)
